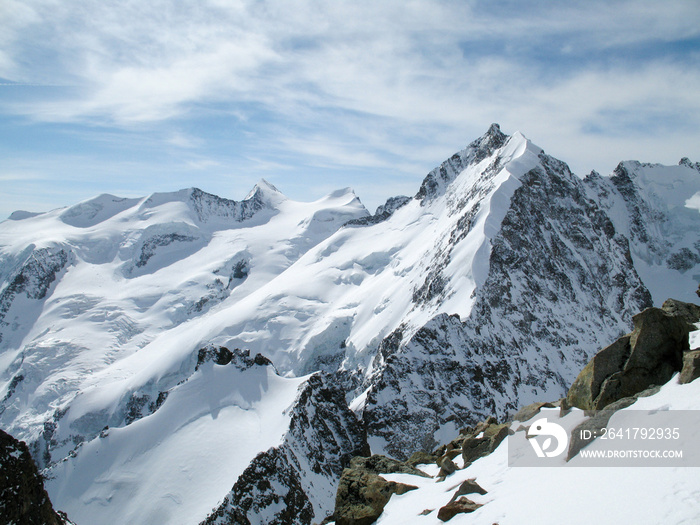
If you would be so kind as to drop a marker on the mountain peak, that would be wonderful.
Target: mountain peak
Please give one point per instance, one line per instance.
(265, 194)
(265, 187)
(485, 146)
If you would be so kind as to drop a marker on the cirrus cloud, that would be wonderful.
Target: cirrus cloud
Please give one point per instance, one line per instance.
(361, 85)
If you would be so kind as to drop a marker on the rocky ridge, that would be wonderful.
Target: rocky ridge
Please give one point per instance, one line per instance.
(559, 275)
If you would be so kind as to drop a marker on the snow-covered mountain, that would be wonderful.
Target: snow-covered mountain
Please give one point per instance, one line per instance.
(490, 288)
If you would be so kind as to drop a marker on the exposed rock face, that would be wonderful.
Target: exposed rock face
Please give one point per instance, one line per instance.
(223, 356)
(648, 356)
(559, 276)
(660, 228)
(689, 312)
(207, 205)
(436, 181)
(22, 495)
(296, 482)
(460, 506)
(691, 367)
(268, 492)
(363, 494)
(31, 280)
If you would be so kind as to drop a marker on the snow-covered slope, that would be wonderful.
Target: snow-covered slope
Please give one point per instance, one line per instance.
(174, 466)
(563, 493)
(101, 305)
(490, 288)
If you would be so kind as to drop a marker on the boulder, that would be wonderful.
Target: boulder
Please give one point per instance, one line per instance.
(650, 355)
(362, 496)
(687, 311)
(691, 367)
(447, 466)
(420, 458)
(483, 440)
(530, 411)
(469, 486)
(599, 421)
(378, 464)
(460, 506)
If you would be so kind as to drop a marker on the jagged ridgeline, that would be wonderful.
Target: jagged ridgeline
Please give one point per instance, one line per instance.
(127, 325)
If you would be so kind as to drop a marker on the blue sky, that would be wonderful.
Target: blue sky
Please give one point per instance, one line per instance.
(131, 97)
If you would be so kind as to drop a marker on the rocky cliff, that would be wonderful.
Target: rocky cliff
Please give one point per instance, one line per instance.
(23, 499)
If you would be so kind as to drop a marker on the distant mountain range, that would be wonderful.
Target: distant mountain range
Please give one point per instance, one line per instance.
(184, 357)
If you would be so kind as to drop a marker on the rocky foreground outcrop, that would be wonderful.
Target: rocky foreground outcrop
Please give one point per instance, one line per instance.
(636, 365)
(650, 355)
(363, 493)
(23, 499)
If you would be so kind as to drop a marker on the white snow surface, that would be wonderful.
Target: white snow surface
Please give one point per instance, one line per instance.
(175, 465)
(562, 494)
(126, 317)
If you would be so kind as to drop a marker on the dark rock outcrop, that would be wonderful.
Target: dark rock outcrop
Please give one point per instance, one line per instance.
(33, 280)
(460, 506)
(483, 439)
(691, 367)
(648, 356)
(362, 496)
(437, 180)
(257, 492)
(383, 212)
(23, 498)
(221, 355)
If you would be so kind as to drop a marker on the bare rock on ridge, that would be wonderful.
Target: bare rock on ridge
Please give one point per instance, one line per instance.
(650, 355)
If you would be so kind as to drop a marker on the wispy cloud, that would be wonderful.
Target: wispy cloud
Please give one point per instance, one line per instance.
(202, 164)
(361, 85)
